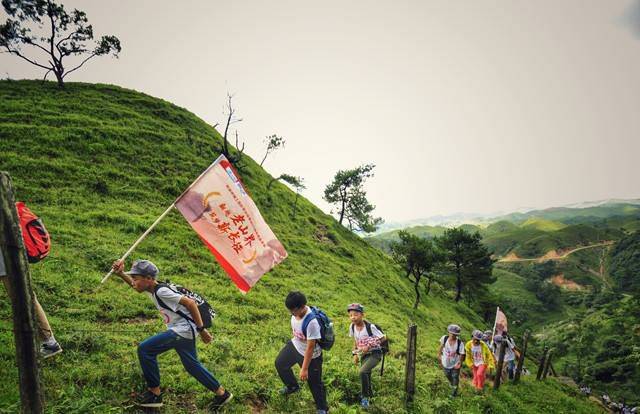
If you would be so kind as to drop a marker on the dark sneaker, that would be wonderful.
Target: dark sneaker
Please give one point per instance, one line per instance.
(288, 390)
(149, 399)
(221, 400)
(49, 350)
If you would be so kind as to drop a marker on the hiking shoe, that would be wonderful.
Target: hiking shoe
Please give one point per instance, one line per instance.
(322, 412)
(149, 399)
(49, 350)
(364, 403)
(221, 400)
(288, 391)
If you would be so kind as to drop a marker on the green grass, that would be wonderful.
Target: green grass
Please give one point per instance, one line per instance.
(99, 163)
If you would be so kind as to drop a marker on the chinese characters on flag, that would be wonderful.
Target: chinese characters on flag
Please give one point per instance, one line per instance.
(230, 225)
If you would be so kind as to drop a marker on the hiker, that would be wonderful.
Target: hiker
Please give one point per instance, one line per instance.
(367, 348)
(509, 354)
(183, 320)
(37, 245)
(451, 354)
(478, 357)
(487, 336)
(303, 349)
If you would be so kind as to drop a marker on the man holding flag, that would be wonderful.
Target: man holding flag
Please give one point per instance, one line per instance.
(182, 317)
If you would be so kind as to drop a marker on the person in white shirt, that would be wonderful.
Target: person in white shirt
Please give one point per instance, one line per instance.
(509, 352)
(452, 353)
(182, 317)
(303, 349)
(367, 348)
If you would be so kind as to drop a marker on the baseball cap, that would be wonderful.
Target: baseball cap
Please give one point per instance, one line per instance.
(355, 307)
(143, 268)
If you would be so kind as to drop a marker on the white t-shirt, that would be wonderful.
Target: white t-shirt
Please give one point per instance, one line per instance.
(450, 357)
(299, 339)
(174, 322)
(476, 352)
(509, 353)
(363, 339)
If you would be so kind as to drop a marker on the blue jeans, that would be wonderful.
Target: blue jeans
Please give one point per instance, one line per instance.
(150, 348)
(511, 368)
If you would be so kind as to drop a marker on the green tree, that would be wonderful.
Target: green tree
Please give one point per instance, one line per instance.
(625, 265)
(346, 192)
(418, 257)
(467, 258)
(274, 143)
(296, 182)
(60, 36)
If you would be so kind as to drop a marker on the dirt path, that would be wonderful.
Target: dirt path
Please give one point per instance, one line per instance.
(554, 255)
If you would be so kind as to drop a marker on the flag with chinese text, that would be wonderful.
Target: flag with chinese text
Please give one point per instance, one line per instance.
(227, 220)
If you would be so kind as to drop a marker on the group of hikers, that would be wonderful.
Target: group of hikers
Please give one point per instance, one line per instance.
(617, 407)
(187, 317)
(312, 331)
(480, 354)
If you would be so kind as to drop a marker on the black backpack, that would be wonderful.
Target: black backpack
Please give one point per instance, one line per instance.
(327, 336)
(207, 313)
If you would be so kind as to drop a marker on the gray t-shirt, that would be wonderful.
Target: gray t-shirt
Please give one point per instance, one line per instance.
(173, 320)
(3, 270)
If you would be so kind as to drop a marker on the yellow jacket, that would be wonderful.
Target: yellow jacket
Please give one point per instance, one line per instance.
(486, 355)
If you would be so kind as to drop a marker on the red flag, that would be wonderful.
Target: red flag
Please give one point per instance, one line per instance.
(227, 220)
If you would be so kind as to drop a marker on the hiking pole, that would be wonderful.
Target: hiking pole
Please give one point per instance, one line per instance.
(140, 240)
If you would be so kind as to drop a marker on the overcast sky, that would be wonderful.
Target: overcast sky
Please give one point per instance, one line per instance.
(464, 106)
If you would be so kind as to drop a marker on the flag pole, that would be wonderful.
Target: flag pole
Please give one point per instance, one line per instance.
(140, 240)
(493, 332)
(220, 157)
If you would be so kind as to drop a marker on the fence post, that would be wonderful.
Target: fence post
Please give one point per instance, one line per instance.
(498, 380)
(19, 286)
(547, 364)
(525, 339)
(410, 369)
(542, 361)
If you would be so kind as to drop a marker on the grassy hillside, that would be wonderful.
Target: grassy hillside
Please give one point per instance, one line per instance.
(99, 163)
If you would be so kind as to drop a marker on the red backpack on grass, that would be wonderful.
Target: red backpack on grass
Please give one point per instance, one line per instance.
(35, 236)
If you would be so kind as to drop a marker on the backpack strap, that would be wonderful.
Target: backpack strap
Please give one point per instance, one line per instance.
(367, 325)
(307, 320)
(164, 305)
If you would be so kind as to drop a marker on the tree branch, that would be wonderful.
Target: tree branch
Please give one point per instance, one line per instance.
(79, 66)
(33, 62)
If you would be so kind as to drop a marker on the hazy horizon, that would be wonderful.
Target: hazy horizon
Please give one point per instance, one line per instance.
(463, 106)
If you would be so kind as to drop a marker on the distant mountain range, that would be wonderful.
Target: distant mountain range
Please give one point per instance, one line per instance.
(594, 209)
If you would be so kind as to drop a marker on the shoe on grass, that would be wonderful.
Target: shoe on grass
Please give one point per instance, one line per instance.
(149, 399)
(49, 350)
(364, 403)
(221, 400)
(287, 390)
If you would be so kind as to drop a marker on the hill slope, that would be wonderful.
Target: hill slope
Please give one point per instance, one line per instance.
(99, 163)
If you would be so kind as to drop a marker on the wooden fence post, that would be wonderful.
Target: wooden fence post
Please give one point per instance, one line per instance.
(410, 369)
(542, 362)
(19, 286)
(547, 364)
(523, 353)
(498, 380)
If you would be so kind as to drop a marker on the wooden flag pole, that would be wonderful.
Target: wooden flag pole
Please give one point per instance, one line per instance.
(221, 157)
(124, 256)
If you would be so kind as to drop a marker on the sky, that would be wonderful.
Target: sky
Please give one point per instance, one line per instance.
(463, 106)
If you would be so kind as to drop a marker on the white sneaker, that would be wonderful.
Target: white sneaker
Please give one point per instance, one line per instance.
(49, 350)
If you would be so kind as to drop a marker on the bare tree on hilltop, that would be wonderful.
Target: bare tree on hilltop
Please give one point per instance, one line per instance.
(234, 157)
(61, 35)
